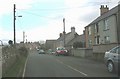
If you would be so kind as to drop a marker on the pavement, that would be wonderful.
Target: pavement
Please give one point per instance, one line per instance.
(44, 65)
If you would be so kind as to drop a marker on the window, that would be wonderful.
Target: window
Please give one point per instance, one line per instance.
(90, 42)
(106, 27)
(107, 39)
(97, 40)
(89, 30)
(96, 28)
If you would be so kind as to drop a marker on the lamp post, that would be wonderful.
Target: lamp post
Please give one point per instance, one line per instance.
(14, 18)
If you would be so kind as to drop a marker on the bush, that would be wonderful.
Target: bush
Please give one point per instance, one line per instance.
(78, 45)
(23, 51)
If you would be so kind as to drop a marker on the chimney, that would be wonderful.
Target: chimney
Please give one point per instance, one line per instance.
(73, 29)
(64, 32)
(83, 32)
(103, 9)
(60, 34)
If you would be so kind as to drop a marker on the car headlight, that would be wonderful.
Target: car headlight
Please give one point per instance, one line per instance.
(66, 51)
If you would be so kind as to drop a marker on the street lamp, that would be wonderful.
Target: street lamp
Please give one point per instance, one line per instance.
(14, 10)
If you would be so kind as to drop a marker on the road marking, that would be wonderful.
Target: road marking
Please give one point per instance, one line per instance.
(60, 61)
(24, 68)
(77, 70)
(72, 68)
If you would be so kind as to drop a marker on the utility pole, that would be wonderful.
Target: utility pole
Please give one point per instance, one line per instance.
(14, 18)
(23, 36)
(64, 30)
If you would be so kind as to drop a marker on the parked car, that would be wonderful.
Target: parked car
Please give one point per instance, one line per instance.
(61, 51)
(112, 59)
(41, 51)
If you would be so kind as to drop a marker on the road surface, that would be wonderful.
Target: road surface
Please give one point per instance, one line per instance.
(44, 65)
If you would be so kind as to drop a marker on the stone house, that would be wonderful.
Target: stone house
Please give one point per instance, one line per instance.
(65, 38)
(50, 44)
(103, 33)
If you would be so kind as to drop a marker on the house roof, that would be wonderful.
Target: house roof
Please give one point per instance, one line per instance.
(105, 15)
(62, 37)
(77, 38)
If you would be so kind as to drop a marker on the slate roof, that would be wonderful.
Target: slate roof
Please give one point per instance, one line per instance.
(62, 37)
(77, 38)
(105, 15)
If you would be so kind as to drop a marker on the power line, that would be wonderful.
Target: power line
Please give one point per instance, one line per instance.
(66, 8)
(38, 15)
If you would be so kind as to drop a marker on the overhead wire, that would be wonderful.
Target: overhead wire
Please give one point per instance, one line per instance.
(56, 9)
(66, 8)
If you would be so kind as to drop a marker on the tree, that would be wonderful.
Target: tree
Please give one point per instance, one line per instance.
(10, 42)
(78, 45)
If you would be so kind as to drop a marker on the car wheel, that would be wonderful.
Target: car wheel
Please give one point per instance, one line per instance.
(110, 67)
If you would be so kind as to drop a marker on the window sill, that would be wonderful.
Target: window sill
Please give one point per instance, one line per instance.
(105, 29)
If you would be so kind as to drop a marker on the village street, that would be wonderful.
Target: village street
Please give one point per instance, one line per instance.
(45, 65)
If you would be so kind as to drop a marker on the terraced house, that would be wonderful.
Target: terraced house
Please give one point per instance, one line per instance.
(104, 32)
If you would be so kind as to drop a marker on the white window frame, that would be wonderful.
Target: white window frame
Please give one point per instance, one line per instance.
(106, 24)
(90, 42)
(95, 28)
(97, 38)
(89, 30)
(107, 39)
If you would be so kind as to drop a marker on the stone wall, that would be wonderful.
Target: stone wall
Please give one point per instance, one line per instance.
(99, 50)
(82, 52)
(102, 48)
(10, 56)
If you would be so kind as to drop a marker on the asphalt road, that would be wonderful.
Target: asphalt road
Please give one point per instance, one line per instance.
(44, 65)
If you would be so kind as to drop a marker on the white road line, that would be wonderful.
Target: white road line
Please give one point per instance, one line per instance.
(24, 68)
(59, 61)
(77, 70)
(72, 68)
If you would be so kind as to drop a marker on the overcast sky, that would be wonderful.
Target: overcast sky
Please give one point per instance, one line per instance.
(43, 19)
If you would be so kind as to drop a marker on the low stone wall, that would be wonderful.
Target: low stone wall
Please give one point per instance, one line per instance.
(99, 51)
(102, 48)
(10, 55)
(0, 62)
(8, 58)
(82, 52)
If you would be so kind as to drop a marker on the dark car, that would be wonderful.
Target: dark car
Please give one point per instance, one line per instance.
(41, 52)
(112, 59)
(61, 51)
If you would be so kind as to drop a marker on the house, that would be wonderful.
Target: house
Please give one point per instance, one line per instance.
(104, 32)
(78, 38)
(65, 38)
(50, 44)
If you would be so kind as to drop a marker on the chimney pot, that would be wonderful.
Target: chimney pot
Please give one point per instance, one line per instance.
(60, 34)
(103, 9)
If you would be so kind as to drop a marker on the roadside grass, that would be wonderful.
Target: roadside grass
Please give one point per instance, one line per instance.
(17, 69)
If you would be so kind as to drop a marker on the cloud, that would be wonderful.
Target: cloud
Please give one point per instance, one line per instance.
(77, 13)
(7, 5)
(51, 31)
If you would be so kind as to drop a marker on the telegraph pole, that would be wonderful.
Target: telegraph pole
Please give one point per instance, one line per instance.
(23, 36)
(64, 30)
(14, 18)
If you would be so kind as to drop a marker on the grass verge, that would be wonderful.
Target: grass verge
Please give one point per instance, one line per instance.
(17, 69)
